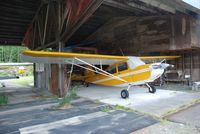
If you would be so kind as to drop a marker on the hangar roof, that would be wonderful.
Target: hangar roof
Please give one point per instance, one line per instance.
(16, 15)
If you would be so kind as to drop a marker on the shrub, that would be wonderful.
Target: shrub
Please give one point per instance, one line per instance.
(69, 96)
(3, 99)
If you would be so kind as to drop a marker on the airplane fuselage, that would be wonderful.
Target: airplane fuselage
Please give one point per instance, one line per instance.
(137, 74)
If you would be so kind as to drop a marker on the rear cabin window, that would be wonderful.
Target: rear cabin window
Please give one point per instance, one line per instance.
(122, 67)
(112, 69)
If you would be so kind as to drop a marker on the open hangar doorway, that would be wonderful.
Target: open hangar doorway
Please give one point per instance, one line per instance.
(139, 33)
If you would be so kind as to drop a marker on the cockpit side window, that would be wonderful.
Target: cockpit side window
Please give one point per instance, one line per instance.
(122, 66)
(112, 69)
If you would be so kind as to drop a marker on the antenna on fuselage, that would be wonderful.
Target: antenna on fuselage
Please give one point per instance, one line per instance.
(121, 51)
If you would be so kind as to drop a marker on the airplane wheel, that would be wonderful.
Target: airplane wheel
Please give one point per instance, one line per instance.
(152, 89)
(124, 94)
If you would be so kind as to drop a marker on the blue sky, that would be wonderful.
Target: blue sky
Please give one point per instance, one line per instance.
(195, 3)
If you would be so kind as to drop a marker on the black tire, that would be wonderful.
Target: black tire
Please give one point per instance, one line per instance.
(152, 89)
(124, 94)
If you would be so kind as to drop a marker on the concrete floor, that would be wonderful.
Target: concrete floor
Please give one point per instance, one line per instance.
(159, 104)
(17, 93)
(168, 128)
(190, 116)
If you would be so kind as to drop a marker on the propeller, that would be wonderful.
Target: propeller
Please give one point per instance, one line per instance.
(161, 65)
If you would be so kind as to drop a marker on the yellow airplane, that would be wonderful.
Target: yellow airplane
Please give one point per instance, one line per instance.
(123, 71)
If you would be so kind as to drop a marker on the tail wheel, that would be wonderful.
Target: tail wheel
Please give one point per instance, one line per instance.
(152, 89)
(124, 94)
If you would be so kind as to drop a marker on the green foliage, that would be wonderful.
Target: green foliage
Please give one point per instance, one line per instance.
(3, 99)
(68, 97)
(10, 53)
(25, 81)
(106, 109)
(6, 73)
(119, 107)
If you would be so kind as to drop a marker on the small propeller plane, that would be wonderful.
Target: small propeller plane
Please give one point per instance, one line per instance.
(123, 71)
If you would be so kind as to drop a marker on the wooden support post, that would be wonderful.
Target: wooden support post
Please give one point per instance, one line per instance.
(34, 73)
(183, 63)
(199, 64)
(191, 67)
(60, 73)
(34, 32)
(173, 46)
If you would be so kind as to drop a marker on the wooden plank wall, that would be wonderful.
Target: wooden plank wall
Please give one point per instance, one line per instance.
(149, 34)
(189, 63)
(154, 34)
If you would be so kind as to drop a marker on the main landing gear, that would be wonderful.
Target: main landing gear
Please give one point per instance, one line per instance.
(151, 88)
(125, 93)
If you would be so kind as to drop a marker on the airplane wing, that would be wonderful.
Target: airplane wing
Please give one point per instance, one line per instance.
(158, 57)
(66, 58)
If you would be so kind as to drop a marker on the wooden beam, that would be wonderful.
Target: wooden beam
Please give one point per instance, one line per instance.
(92, 7)
(129, 6)
(15, 6)
(15, 19)
(45, 25)
(10, 40)
(10, 37)
(12, 23)
(16, 10)
(160, 5)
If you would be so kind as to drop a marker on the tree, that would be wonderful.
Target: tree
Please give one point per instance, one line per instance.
(11, 53)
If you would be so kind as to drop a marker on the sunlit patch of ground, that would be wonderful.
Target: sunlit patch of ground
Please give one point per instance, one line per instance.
(25, 81)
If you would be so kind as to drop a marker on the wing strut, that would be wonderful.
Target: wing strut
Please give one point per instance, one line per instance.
(89, 69)
(111, 75)
(70, 75)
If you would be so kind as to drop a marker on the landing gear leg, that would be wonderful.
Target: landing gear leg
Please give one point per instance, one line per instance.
(151, 88)
(125, 93)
